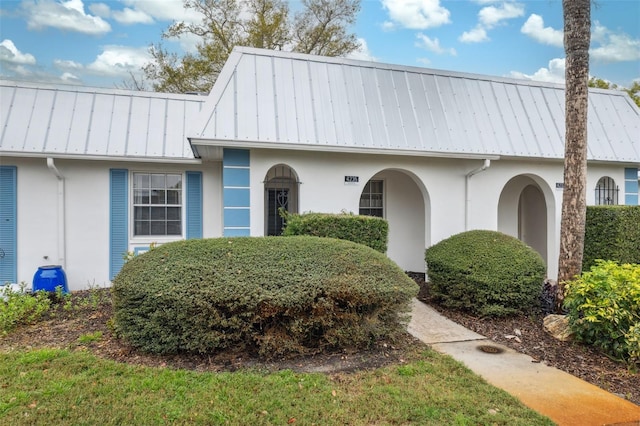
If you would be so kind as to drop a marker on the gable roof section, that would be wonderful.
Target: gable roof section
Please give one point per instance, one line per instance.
(43, 120)
(265, 98)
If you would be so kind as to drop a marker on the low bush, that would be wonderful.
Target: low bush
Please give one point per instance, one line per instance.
(485, 272)
(273, 296)
(370, 231)
(20, 308)
(604, 308)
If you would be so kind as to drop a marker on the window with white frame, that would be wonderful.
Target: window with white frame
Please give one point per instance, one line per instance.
(371, 201)
(606, 192)
(157, 204)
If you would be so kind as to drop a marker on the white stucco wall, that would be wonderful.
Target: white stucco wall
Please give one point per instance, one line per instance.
(597, 171)
(84, 250)
(37, 203)
(425, 202)
(434, 183)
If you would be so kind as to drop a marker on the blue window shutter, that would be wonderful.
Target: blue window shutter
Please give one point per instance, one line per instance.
(118, 219)
(194, 205)
(8, 224)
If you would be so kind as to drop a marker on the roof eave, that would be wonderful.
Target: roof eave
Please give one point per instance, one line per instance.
(333, 148)
(128, 158)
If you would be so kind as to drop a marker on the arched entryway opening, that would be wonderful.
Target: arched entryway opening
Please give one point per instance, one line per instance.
(525, 212)
(532, 219)
(402, 199)
(280, 192)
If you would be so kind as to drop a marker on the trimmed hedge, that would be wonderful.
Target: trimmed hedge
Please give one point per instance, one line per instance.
(604, 308)
(485, 272)
(368, 230)
(272, 296)
(611, 233)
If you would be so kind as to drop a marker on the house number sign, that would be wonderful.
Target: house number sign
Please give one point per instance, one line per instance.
(351, 180)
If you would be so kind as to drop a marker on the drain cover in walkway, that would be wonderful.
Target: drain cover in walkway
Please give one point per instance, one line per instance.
(490, 349)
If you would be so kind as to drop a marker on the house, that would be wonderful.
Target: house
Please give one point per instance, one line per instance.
(87, 174)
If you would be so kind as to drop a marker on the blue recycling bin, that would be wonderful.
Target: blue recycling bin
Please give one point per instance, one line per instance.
(47, 278)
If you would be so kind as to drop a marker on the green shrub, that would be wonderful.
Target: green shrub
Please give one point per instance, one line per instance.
(485, 272)
(367, 230)
(611, 233)
(272, 295)
(20, 308)
(604, 308)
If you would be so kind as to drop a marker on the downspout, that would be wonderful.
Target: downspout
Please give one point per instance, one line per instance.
(62, 245)
(467, 211)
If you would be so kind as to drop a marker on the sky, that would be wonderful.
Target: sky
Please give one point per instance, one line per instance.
(99, 43)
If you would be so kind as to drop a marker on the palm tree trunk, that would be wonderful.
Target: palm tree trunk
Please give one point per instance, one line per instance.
(577, 37)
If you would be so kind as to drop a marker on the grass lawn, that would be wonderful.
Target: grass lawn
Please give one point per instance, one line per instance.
(62, 387)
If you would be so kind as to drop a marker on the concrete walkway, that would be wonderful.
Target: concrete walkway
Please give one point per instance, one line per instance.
(560, 396)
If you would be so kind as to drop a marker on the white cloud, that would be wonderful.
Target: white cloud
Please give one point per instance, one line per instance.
(119, 61)
(10, 53)
(64, 15)
(67, 77)
(114, 62)
(149, 11)
(491, 16)
(21, 71)
(423, 61)
(164, 10)
(416, 14)
(599, 33)
(67, 65)
(534, 28)
(613, 47)
(476, 35)
(433, 45)
(130, 16)
(553, 74)
(363, 53)
(100, 9)
(35, 74)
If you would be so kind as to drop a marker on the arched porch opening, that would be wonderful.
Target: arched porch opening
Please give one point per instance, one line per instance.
(402, 199)
(525, 212)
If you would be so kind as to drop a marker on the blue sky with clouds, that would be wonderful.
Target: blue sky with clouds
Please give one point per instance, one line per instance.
(100, 42)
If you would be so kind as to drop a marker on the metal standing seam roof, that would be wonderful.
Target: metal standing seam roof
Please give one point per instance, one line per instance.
(72, 121)
(265, 98)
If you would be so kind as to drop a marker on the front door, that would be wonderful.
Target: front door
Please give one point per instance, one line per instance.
(277, 198)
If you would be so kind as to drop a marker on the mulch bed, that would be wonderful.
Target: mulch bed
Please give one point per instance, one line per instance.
(65, 326)
(580, 360)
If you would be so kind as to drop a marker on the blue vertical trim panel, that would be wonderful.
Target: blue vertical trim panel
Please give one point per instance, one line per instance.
(8, 224)
(235, 157)
(237, 177)
(236, 232)
(630, 173)
(631, 186)
(194, 205)
(236, 174)
(118, 219)
(235, 197)
(236, 218)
